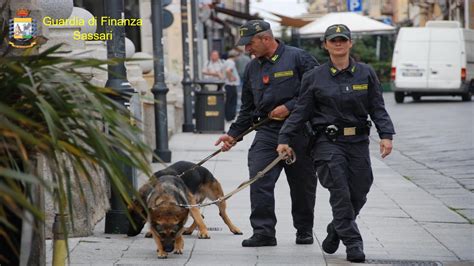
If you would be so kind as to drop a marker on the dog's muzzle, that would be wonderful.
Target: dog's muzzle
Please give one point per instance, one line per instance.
(168, 247)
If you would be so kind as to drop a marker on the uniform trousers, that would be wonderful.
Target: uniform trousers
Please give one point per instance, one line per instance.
(300, 176)
(345, 170)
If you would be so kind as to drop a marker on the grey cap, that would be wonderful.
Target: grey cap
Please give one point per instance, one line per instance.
(337, 30)
(249, 29)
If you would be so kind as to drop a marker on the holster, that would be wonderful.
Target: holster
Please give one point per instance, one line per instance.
(312, 136)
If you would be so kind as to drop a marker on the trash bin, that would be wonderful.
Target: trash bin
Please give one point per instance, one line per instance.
(209, 106)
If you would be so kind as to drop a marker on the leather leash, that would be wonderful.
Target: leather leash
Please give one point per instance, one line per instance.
(260, 174)
(239, 137)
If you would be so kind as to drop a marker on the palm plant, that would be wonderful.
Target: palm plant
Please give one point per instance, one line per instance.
(49, 107)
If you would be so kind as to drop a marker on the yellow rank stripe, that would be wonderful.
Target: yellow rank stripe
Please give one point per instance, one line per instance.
(22, 20)
(288, 73)
(360, 87)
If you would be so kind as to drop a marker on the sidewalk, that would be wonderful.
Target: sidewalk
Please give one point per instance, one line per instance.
(399, 223)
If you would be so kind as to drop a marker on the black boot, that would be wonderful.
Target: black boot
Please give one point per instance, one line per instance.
(258, 240)
(304, 237)
(355, 253)
(331, 242)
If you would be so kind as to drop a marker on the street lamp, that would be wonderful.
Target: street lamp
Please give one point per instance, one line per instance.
(195, 25)
(116, 221)
(188, 112)
(159, 88)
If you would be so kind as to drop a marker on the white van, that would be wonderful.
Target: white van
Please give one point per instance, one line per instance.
(435, 60)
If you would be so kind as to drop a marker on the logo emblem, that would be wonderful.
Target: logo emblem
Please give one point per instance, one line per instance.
(22, 30)
(242, 31)
(338, 29)
(266, 79)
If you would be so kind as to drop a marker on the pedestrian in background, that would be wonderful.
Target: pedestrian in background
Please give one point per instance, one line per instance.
(232, 80)
(338, 98)
(241, 63)
(214, 68)
(270, 89)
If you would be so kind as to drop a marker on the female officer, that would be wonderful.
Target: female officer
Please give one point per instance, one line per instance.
(337, 98)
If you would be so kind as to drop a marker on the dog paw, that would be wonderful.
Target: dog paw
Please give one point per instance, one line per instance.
(204, 236)
(237, 232)
(162, 255)
(178, 251)
(148, 235)
(187, 232)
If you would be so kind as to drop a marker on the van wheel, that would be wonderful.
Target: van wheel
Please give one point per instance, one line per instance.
(399, 96)
(466, 97)
(416, 98)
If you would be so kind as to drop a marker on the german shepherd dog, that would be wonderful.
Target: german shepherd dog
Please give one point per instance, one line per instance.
(164, 193)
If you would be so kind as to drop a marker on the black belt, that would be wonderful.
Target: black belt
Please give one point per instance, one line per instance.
(333, 131)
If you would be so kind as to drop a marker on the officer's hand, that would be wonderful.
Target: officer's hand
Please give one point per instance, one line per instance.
(227, 142)
(284, 148)
(279, 113)
(385, 147)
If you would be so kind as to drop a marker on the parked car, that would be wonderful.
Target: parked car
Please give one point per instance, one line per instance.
(434, 60)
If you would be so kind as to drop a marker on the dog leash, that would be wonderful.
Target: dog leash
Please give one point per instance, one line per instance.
(288, 160)
(239, 137)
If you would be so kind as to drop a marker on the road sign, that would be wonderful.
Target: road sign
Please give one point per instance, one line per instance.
(354, 5)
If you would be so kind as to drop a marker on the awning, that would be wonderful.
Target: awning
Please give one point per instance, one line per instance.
(358, 24)
(236, 14)
(291, 22)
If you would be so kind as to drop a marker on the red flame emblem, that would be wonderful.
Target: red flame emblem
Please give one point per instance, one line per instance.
(22, 12)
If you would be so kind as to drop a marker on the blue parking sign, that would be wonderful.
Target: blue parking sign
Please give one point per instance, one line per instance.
(354, 5)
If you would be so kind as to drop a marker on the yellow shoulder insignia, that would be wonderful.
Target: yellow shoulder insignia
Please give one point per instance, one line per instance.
(274, 58)
(333, 70)
(353, 69)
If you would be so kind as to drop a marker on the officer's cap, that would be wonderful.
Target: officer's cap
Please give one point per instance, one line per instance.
(249, 29)
(337, 30)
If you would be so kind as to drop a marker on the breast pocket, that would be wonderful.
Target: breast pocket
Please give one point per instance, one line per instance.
(285, 87)
(360, 90)
(354, 97)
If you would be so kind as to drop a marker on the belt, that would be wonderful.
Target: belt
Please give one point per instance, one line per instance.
(258, 119)
(333, 131)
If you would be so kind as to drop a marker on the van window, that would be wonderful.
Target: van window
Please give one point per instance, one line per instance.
(440, 34)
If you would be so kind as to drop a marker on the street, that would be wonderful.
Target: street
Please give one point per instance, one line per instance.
(401, 223)
(433, 148)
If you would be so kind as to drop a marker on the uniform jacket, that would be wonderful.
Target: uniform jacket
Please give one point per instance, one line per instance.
(345, 98)
(269, 83)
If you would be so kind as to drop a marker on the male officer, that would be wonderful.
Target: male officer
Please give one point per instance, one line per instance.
(271, 87)
(338, 98)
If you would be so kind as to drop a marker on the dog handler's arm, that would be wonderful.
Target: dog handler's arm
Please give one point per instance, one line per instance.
(227, 142)
(284, 148)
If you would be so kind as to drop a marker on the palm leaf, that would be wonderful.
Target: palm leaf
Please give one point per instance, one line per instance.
(48, 107)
